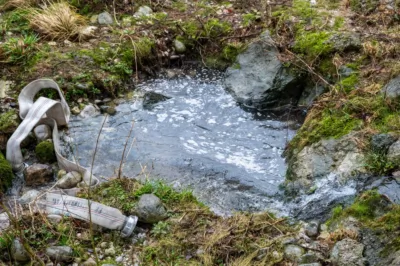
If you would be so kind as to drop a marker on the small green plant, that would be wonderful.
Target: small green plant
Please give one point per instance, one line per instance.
(250, 18)
(378, 163)
(6, 174)
(20, 50)
(160, 229)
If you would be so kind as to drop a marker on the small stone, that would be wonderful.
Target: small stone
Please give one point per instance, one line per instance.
(29, 196)
(67, 43)
(88, 111)
(312, 229)
(38, 174)
(98, 102)
(105, 19)
(107, 264)
(61, 173)
(308, 258)
(143, 11)
(70, 180)
(52, 43)
(103, 245)
(4, 221)
(348, 252)
(119, 259)
(60, 253)
(293, 252)
(392, 89)
(107, 100)
(311, 264)
(110, 251)
(54, 218)
(150, 209)
(382, 142)
(179, 46)
(42, 132)
(111, 110)
(88, 31)
(18, 251)
(94, 19)
(75, 110)
(89, 262)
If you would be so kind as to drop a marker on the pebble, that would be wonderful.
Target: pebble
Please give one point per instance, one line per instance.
(119, 259)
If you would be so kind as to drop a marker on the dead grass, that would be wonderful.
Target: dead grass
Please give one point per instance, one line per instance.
(58, 21)
(11, 4)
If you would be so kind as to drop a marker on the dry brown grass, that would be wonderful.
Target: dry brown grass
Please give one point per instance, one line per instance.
(10, 4)
(58, 21)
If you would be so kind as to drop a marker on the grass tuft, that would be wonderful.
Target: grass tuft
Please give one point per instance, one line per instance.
(58, 21)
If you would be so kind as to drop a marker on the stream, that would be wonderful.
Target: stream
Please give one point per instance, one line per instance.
(191, 133)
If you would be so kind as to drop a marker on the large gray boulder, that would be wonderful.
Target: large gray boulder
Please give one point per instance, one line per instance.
(341, 157)
(150, 209)
(348, 252)
(259, 80)
(392, 89)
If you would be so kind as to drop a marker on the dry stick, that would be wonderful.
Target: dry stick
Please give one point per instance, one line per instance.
(310, 69)
(115, 14)
(123, 153)
(89, 190)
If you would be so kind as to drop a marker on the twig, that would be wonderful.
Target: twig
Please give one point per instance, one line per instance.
(310, 69)
(89, 190)
(123, 153)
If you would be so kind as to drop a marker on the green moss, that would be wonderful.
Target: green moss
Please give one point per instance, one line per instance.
(231, 51)
(9, 121)
(215, 28)
(6, 174)
(348, 84)
(45, 152)
(339, 22)
(330, 124)
(364, 6)
(313, 44)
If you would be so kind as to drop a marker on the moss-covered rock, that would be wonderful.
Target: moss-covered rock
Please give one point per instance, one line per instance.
(6, 174)
(45, 152)
(9, 121)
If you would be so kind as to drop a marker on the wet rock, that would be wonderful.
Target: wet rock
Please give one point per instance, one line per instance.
(105, 19)
(150, 209)
(143, 11)
(108, 109)
(89, 262)
(348, 252)
(259, 80)
(29, 196)
(339, 157)
(38, 174)
(70, 180)
(310, 93)
(345, 41)
(394, 152)
(88, 111)
(150, 99)
(75, 110)
(4, 221)
(179, 46)
(293, 252)
(18, 251)
(312, 229)
(42, 132)
(392, 89)
(60, 253)
(382, 142)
